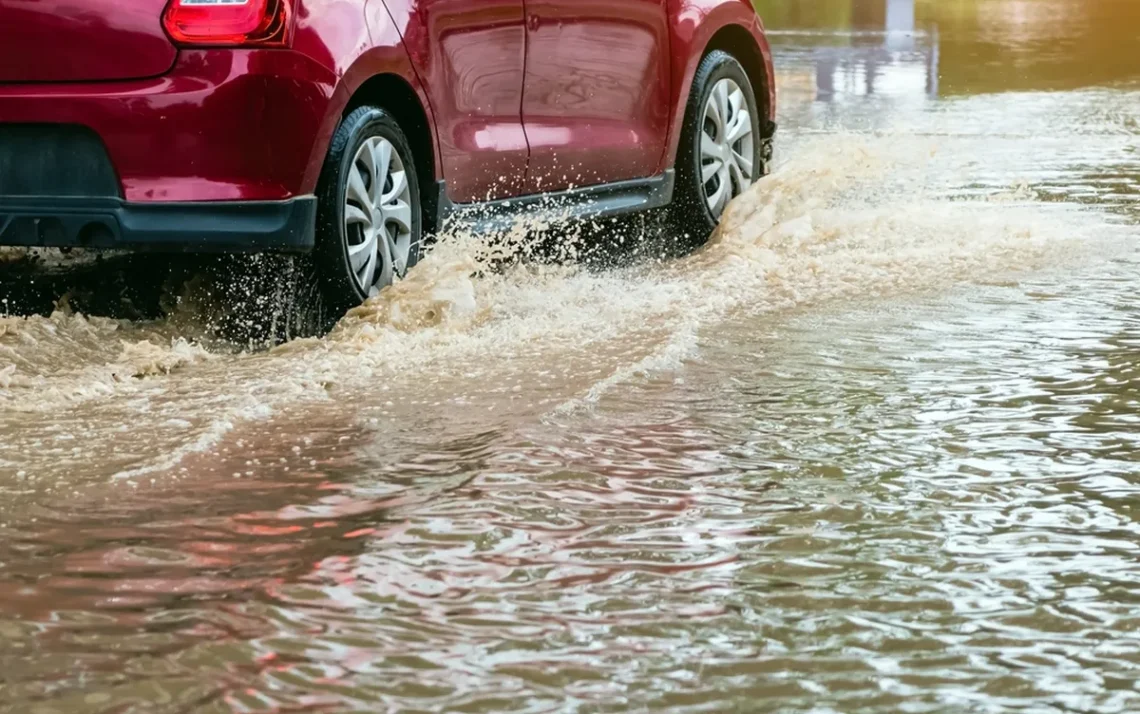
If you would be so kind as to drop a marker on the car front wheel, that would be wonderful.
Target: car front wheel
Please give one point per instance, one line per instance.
(720, 153)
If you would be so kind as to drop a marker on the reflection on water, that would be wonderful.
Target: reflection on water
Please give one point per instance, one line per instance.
(971, 46)
(931, 68)
(873, 451)
(864, 64)
(861, 54)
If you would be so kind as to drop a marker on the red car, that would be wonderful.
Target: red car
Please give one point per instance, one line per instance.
(352, 128)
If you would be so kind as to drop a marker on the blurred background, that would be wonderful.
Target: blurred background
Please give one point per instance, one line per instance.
(969, 46)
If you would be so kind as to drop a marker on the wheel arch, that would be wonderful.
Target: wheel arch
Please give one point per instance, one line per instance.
(738, 42)
(701, 26)
(396, 95)
(383, 77)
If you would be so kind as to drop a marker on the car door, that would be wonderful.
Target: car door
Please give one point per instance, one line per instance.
(469, 55)
(596, 93)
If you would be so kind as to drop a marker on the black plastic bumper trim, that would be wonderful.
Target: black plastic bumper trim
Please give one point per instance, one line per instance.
(222, 226)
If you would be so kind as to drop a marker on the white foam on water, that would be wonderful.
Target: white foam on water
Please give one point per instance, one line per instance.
(203, 441)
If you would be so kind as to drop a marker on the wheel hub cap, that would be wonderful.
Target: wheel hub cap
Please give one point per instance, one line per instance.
(727, 148)
(377, 216)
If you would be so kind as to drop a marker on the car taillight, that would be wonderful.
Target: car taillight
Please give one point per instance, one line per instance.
(229, 23)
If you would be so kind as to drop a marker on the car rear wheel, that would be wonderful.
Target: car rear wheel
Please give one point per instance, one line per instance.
(369, 220)
(720, 152)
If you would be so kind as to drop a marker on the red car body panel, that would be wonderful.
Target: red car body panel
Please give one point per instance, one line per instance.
(470, 55)
(521, 96)
(82, 40)
(223, 125)
(596, 101)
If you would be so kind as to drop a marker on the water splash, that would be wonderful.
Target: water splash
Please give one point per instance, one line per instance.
(848, 216)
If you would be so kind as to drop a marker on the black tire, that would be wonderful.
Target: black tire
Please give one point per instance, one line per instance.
(341, 290)
(689, 214)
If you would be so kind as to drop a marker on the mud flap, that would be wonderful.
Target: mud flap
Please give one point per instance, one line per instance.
(768, 134)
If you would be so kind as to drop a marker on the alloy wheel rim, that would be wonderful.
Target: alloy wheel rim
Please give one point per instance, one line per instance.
(377, 215)
(727, 146)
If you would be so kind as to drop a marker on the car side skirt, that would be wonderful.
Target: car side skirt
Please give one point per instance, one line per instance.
(577, 204)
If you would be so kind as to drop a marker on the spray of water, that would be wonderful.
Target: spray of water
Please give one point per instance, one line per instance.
(846, 217)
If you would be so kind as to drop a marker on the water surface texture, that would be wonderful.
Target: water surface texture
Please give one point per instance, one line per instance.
(874, 450)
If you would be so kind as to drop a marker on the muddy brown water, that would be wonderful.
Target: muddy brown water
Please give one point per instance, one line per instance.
(873, 450)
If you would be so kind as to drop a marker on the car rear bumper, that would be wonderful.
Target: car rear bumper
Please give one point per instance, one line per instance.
(228, 226)
(222, 125)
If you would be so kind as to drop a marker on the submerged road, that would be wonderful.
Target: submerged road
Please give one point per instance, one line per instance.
(875, 449)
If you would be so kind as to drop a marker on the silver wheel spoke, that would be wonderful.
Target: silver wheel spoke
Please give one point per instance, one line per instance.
(712, 112)
(710, 169)
(399, 216)
(388, 255)
(399, 213)
(739, 180)
(367, 157)
(744, 162)
(719, 199)
(354, 215)
(740, 127)
(398, 261)
(710, 149)
(357, 191)
(735, 101)
(367, 274)
(358, 254)
(721, 92)
(399, 184)
(382, 162)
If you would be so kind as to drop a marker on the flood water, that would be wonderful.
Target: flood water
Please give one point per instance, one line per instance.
(875, 450)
